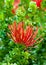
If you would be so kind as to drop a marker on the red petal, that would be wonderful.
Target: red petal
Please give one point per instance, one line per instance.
(20, 30)
(20, 25)
(18, 37)
(28, 33)
(14, 28)
(22, 34)
(16, 3)
(27, 43)
(30, 42)
(38, 2)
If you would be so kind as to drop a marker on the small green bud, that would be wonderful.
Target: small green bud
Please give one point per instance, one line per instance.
(20, 11)
(32, 7)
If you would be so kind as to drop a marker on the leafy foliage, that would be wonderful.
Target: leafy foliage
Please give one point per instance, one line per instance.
(30, 14)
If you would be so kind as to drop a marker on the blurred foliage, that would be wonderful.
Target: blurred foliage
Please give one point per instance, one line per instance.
(15, 54)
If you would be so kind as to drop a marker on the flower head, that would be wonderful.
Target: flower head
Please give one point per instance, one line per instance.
(38, 2)
(15, 5)
(21, 35)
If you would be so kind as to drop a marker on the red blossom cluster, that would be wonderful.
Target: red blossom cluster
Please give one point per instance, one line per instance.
(21, 35)
(15, 5)
(38, 2)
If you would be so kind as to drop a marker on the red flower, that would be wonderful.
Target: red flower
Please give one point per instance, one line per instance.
(15, 5)
(19, 35)
(38, 2)
(16, 2)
